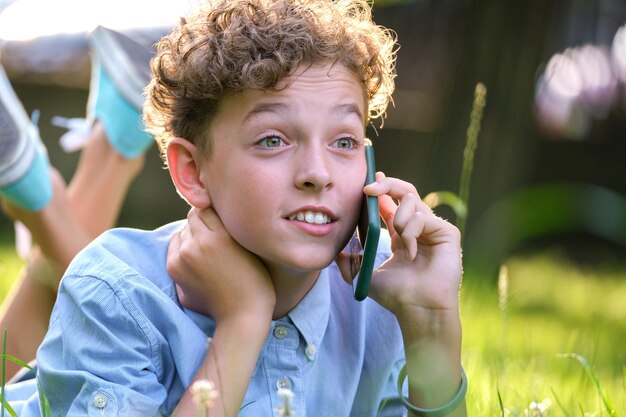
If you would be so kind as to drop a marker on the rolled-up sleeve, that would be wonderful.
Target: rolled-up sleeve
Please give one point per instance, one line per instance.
(99, 356)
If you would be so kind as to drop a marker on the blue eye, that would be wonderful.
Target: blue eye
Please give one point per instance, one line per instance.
(345, 143)
(271, 142)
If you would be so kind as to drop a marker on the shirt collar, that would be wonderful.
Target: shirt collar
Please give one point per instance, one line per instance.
(310, 316)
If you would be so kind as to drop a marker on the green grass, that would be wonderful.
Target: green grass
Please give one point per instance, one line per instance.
(513, 343)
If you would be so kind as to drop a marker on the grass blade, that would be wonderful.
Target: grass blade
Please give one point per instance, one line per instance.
(8, 408)
(17, 361)
(594, 377)
(246, 404)
(382, 407)
(43, 401)
(500, 402)
(438, 198)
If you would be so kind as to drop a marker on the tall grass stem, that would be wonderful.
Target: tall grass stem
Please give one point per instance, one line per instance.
(473, 130)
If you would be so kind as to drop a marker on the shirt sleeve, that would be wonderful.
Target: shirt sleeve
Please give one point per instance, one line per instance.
(391, 405)
(98, 357)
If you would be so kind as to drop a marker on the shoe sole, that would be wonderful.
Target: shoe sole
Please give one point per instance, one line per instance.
(14, 167)
(118, 66)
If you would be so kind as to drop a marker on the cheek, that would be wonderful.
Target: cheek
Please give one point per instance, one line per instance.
(245, 203)
(242, 219)
(356, 187)
(356, 204)
(353, 198)
(243, 185)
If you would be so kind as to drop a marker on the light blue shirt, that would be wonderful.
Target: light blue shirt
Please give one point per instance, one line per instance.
(120, 343)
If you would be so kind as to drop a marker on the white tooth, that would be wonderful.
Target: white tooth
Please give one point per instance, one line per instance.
(320, 218)
(292, 217)
(309, 217)
(300, 216)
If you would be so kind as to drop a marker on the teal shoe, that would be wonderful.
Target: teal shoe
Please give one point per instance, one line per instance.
(24, 167)
(120, 72)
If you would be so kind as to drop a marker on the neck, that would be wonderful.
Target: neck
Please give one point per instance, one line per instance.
(291, 287)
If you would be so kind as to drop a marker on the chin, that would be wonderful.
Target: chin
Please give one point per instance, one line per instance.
(313, 263)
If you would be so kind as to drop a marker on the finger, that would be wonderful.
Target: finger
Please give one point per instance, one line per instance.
(409, 205)
(173, 255)
(210, 218)
(428, 230)
(437, 231)
(344, 261)
(183, 235)
(395, 188)
(387, 208)
(188, 237)
(192, 221)
(392, 186)
(174, 246)
(389, 189)
(406, 225)
(411, 231)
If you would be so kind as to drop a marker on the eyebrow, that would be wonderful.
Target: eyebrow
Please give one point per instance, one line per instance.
(261, 108)
(278, 107)
(347, 109)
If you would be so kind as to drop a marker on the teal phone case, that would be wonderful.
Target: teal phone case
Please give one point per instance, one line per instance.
(361, 283)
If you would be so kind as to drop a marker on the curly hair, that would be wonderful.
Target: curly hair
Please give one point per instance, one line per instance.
(228, 46)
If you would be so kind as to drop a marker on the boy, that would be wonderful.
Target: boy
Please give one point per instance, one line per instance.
(260, 109)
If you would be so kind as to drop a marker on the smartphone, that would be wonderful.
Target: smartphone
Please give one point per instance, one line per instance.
(363, 249)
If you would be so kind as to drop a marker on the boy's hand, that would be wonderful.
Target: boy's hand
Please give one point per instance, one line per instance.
(419, 283)
(215, 275)
(423, 275)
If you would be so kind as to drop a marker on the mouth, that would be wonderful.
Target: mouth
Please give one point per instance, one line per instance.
(311, 217)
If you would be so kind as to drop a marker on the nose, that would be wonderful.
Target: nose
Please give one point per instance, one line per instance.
(313, 171)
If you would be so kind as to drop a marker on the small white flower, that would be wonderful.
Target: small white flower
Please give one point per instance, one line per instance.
(536, 409)
(285, 409)
(203, 392)
(286, 395)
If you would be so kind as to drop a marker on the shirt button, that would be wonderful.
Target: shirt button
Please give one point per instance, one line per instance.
(283, 383)
(280, 332)
(310, 351)
(100, 400)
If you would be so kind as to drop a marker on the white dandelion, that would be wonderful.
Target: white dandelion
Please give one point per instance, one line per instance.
(285, 409)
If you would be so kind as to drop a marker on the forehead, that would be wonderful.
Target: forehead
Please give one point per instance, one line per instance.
(316, 88)
(319, 74)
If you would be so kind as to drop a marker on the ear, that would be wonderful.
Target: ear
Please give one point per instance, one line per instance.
(184, 160)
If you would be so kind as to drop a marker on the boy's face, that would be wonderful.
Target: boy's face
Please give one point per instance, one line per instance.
(287, 168)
